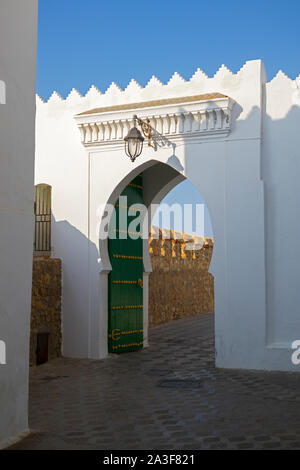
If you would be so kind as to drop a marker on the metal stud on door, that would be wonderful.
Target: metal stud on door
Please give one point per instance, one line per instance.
(125, 282)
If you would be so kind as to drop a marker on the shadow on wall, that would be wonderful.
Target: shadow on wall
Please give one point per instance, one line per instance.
(79, 255)
(80, 269)
(280, 170)
(281, 174)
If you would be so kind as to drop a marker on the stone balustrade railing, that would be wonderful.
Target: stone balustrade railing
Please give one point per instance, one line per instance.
(196, 117)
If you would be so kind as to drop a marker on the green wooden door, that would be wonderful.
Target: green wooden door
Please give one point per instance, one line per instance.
(125, 284)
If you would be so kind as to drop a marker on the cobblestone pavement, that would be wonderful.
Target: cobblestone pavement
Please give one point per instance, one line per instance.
(168, 396)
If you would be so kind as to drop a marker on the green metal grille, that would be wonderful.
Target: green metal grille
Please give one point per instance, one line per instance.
(42, 212)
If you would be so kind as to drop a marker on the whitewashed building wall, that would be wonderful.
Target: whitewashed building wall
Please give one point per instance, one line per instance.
(18, 29)
(236, 139)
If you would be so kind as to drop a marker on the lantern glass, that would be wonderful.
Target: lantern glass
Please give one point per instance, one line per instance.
(134, 143)
(134, 148)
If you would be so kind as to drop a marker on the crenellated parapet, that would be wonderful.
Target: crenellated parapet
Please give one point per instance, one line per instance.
(175, 251)
(223, 79)
(201, 106)
(180, 283)
(282, 93)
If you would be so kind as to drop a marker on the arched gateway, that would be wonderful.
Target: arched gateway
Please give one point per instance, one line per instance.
(214, 126)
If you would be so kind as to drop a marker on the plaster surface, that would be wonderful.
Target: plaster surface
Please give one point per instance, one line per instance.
(234, 137)
(18, 20)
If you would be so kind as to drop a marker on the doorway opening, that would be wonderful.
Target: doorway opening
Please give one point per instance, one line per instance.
(166, 276)
(181, 249)
(42, 348)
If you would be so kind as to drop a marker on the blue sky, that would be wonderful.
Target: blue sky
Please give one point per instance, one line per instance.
(81, 43)
(97, 41)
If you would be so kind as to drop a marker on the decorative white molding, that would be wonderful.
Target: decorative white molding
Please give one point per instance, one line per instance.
(193, 117)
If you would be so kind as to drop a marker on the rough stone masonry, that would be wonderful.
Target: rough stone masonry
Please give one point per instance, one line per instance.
(46, 305)
(180, 284)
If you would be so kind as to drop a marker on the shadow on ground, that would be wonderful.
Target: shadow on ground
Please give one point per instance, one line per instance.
(168, 396)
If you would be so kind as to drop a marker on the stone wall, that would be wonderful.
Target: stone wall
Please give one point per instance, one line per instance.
(180, 284)
(46, 305)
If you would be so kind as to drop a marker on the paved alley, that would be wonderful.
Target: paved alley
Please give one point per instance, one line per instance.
(168, 396)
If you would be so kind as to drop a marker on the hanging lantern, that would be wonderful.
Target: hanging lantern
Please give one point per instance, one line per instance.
(134, 143)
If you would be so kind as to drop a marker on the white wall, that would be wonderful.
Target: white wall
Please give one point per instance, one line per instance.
(18, 20)
(242, 177)
(281, 171)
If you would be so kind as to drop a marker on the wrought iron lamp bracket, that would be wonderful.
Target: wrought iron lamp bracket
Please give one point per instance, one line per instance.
(146, 129)
(154, 138)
